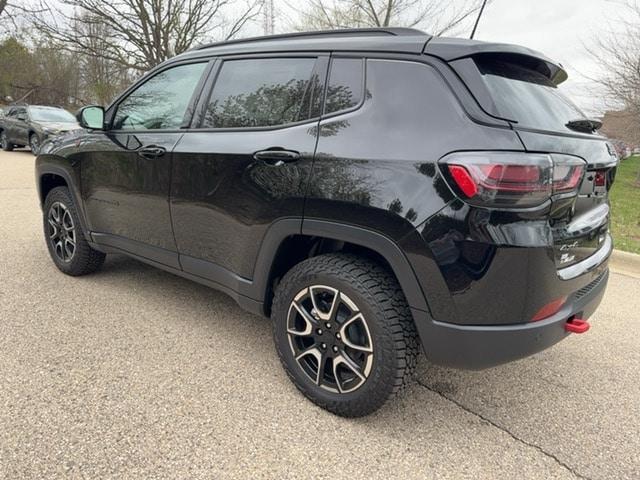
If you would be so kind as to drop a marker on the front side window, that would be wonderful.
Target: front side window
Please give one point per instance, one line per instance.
(161, 102)
(346, 82)
(264, 92)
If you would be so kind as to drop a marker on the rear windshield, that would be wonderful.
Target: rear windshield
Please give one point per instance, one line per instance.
(526, 96)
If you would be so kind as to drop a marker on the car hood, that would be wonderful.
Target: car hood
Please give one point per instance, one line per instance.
(66, 126)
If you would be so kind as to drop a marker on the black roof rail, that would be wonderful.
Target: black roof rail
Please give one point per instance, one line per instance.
(340, 32)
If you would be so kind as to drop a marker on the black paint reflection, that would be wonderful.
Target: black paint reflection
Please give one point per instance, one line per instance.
(262, 93)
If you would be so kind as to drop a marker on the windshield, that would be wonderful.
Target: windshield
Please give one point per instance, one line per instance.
(526, 96)
(48, 114)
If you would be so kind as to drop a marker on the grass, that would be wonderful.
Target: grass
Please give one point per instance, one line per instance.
(625, 206)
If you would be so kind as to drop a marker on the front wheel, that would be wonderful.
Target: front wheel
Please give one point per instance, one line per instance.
(344, 333)
(34, 143)
(67, 246)
(4, 142)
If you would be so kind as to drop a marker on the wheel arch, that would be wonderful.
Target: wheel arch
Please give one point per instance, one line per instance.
(291, 241)
(49, 181)
(49, 175)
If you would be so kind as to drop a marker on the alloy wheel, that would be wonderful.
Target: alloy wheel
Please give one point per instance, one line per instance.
(62, 232)
(3, 140)
(330, 339)
(34, 144)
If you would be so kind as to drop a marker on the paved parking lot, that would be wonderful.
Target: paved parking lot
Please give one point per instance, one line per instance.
(135, 373)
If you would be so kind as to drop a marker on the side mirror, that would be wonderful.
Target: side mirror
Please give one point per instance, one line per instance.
(91, 117)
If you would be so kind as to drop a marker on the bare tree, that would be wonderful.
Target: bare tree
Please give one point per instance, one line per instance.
(438, 17)
(142, 33)
(618, 55)
(11, 11)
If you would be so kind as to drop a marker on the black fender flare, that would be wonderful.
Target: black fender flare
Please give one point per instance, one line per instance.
(43, 168)
(375, 241)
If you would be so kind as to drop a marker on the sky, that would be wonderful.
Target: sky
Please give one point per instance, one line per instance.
(561, 29)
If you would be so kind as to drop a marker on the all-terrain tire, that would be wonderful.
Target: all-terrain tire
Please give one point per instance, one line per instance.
(84, 259)
(378, 296)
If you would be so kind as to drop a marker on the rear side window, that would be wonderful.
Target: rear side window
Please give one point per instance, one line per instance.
(346, 84)
(526, 96)
(264, 92)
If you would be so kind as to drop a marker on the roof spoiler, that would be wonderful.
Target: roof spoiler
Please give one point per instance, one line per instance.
(450, 49)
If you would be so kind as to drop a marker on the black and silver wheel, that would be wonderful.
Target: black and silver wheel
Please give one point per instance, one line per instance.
(4, 142)
(62, 232)
(344, 333)
(67, 246)
(34, 143)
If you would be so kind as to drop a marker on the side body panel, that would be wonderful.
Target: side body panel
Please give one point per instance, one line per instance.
(125, 193)
(223, 199)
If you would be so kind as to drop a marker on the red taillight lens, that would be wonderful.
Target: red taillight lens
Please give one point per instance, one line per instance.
(512, 179)
(567, 173)
(549, 309)
(600, 179)
(464, 180)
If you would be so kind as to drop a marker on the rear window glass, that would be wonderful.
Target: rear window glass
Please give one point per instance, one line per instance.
(346, 82)
(527, 96)
(260, 93)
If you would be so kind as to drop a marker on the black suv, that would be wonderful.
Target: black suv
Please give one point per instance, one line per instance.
(371, 191)
(32, 125)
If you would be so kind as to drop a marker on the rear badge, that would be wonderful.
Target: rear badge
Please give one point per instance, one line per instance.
(567, 257)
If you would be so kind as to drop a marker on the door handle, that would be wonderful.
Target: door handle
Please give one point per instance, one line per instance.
(277, 157)
(152, 151)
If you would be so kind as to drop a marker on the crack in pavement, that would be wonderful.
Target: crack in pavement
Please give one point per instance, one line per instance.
(505, 430)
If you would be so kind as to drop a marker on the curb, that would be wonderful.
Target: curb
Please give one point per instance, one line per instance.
(625, 263)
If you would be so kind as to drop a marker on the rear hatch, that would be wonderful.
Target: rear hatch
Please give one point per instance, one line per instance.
(523, 89)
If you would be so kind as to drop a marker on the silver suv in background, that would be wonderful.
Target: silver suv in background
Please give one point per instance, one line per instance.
(31, 125)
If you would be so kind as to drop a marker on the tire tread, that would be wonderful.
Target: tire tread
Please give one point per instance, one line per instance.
(380, 287)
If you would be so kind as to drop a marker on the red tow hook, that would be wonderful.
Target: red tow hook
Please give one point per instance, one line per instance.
(576, 325)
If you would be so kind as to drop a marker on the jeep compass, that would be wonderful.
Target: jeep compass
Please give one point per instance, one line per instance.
(374, 192)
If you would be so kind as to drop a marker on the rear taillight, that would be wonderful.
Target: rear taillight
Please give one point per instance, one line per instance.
(512, 179)
(600, 178)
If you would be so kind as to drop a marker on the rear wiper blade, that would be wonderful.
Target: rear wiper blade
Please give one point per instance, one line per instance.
(584, 125)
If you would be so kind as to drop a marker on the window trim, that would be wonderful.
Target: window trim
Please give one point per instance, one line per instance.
(364, 87)
(191, 105)
(321, 67)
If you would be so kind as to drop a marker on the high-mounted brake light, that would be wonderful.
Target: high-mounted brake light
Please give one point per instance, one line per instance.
(512, 179)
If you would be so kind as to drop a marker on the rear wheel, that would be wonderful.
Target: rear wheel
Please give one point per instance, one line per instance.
(4, 142)
(67, 246)
(344, 333)
(34, 143)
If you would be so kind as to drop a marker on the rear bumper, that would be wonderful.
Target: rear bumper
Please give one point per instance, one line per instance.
(478, 347)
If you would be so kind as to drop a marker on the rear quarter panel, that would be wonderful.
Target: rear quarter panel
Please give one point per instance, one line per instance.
(376, 166)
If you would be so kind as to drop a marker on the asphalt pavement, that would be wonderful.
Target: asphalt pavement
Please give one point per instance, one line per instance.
(135, 373)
